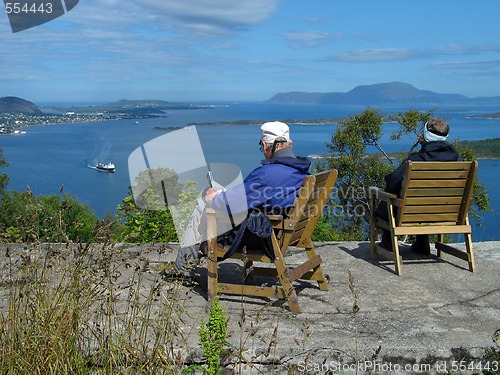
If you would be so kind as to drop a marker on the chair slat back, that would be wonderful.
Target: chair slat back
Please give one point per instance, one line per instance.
(436, 193)
(323, 187)
(297, 214)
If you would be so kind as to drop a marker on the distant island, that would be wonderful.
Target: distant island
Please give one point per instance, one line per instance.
(484, 149)
(16, 112)
(15, 105)
(382, 93)
(318, 121)
(487, 116)
(134, 107)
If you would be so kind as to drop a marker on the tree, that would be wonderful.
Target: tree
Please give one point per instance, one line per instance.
(348, 208)
(411, 123)
(155, 207)
(480, 198)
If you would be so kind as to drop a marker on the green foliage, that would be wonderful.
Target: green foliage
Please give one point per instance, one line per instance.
(324, 231)
(480, 199)
(487, 148)
(46, 218)
(213, 337)
(158, 209)
(140, 225)
(4, 179)
(155, 187)
(411, 123)
(182, 212)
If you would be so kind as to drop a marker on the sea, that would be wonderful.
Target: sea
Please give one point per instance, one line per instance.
(53, 158)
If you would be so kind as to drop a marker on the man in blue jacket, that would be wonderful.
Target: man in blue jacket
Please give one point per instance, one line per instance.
(272, 187)
(433, 148)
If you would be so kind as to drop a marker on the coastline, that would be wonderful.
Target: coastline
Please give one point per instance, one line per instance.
(96, 118)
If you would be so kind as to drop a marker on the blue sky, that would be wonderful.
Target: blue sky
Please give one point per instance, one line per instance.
(212, 50)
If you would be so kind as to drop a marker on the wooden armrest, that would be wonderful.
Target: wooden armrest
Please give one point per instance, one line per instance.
(275, 217)
(222, 217)
(278, 221)
(380, 194)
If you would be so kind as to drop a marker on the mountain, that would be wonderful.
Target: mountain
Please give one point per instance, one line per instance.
(14, 105)
(381, 93)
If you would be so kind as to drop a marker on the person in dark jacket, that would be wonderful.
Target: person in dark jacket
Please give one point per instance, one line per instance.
(271, 187)
(434, 147)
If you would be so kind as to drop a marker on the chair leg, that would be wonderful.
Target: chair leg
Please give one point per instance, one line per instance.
(317, 272)
(440, 238)
(211, 271)
(470, 252)
(288, 288)
(397, 258)
(373, 246)
(373, 229)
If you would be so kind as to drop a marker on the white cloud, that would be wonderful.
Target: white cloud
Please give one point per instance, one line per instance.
(401, 54)
(209, 18)
(301, 39)
(196, 18)
(377, 55)
(492, 64)
(461, 49)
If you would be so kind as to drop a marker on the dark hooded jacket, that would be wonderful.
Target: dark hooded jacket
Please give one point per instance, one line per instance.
(430, 151)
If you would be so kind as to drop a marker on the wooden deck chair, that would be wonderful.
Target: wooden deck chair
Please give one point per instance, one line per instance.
(294, 230)
(435, 199)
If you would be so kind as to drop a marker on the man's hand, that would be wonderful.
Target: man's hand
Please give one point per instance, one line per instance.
(210, 194)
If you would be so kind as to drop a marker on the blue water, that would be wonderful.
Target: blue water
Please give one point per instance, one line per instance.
(49, 157)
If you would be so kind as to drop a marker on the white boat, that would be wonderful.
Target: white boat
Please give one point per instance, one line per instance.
(105, 167)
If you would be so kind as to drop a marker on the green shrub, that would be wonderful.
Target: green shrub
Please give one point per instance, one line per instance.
(213, 337)
(147, 216)
(46, 218)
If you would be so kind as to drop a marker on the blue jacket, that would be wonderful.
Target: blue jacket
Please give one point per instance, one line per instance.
(273, 186)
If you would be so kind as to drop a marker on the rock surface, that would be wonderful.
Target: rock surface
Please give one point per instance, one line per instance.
(437, 317)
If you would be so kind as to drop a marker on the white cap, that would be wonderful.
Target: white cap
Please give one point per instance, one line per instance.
(269, 131)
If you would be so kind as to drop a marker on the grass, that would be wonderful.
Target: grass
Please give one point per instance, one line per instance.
(76, 311)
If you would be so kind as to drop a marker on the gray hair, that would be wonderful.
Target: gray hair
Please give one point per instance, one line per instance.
(282, 142)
